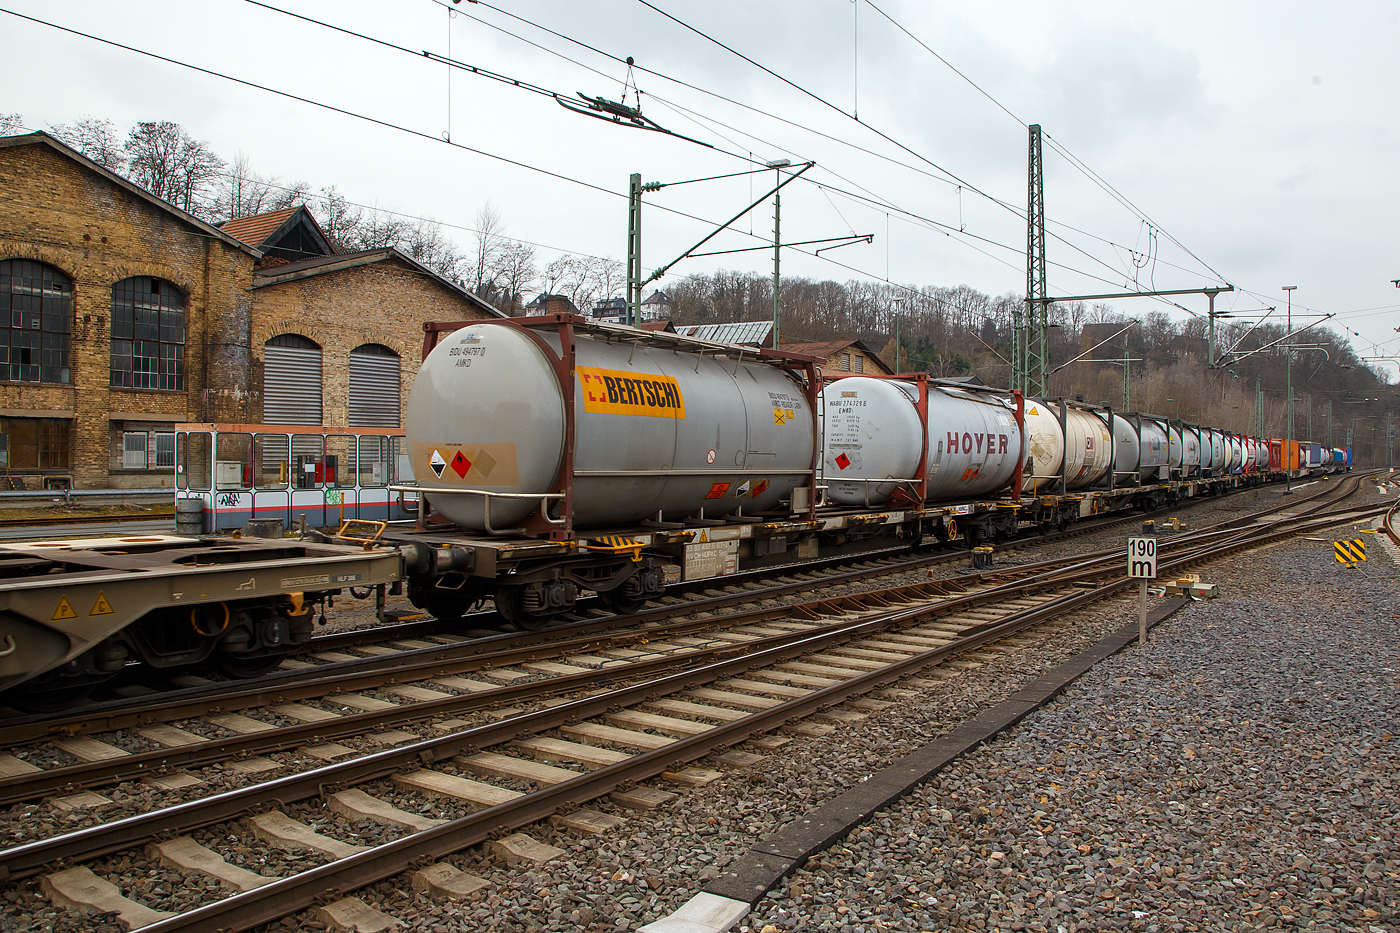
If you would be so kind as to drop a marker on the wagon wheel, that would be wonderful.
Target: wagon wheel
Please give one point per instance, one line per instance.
(510, 604)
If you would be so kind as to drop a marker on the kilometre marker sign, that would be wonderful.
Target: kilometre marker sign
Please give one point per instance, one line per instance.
(1142, 558)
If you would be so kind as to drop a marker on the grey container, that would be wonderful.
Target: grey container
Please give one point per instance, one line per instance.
(660, 429)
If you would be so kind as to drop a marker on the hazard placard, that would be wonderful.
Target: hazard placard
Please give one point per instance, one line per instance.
(64, 610)
(101, 607)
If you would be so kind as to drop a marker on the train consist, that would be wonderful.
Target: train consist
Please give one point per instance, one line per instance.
(555, 457)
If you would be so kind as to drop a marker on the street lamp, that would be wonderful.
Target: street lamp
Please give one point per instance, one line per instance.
(1289, 380)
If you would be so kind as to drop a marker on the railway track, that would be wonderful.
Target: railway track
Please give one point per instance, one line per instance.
(615, 720)
(50, 521)
(330, 650)
(413, 651)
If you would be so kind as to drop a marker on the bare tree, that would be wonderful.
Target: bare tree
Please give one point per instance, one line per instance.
(517, 275)
(10, 122)
(153, 157)
(243, 192)
(425, 242)
(94, 138)
(199, 168)
(486, 257)
(338, 218)
(170, 164)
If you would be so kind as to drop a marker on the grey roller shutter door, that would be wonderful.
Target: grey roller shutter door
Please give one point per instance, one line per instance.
(291, 385)
(374, 390)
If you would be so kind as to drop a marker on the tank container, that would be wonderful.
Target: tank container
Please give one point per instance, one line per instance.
(658, 429)
(871, 431)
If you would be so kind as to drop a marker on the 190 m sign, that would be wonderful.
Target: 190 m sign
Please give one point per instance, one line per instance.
(1142, 558)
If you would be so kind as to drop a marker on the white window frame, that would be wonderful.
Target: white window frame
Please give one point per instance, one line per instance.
(148, 450)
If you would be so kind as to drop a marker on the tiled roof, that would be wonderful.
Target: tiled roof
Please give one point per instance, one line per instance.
(824, 349)
(256, 229)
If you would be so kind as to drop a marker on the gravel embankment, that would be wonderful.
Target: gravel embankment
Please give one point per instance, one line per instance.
(1241, 773)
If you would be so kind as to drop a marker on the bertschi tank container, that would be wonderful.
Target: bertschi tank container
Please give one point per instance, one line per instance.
(871, 430)
(660, 425)
(1088, 447)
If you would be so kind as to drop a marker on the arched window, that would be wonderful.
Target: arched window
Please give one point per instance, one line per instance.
(291, 380)
(374, 387)
(36, 322)
(148, 334)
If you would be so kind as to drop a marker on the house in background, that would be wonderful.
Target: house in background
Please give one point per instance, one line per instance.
(656, 306)
(842, 357)
(124, 316)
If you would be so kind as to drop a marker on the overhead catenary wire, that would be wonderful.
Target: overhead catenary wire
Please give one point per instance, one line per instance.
(383, 123)
(1018, 212)
(1055, 144)
(388, 125)
(872, 199)
(960, 181)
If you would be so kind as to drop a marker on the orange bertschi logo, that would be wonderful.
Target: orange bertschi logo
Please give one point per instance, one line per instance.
(620, 392)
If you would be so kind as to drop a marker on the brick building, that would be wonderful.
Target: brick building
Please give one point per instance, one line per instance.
(843, 357)
(121, 316)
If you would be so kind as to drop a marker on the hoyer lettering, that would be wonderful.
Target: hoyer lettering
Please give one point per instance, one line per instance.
(976, 443)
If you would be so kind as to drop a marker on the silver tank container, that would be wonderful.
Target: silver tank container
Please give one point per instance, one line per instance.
(1126, 448)
(871, 431)
(1207, 449)
(1184, 450)
(1154, 455)
(657, 429)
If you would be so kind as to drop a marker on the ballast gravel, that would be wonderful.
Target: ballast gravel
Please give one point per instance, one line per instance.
(1240, 773)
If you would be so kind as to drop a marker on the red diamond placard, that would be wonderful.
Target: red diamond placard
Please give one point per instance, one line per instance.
(843, 461)
(461, 464)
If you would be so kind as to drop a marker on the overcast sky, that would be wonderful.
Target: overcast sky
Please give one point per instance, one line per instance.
(1255, 143)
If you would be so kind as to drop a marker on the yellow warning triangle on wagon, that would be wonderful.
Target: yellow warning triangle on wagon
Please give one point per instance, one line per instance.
(63, 611)
(101, 607)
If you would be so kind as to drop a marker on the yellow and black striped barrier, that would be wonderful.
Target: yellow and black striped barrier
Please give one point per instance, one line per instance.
(1349, 552)
(617, 544)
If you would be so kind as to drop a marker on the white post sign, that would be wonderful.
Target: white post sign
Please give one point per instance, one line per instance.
(1142, 564)
(1142, 558)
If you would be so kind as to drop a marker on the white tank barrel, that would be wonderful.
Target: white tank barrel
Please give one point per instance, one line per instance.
(873, 440)
(659, 427)
(871, 431)
(1234, 453)
(1083, 447)
(1219, 455)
